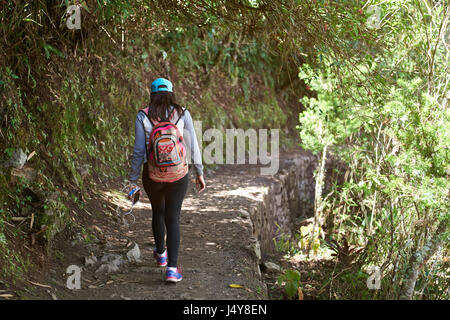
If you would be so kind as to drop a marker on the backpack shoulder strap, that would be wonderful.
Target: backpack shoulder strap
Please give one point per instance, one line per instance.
(145, 111)
(182, 112)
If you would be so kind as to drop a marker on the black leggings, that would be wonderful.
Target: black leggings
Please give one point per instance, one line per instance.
(166, 199)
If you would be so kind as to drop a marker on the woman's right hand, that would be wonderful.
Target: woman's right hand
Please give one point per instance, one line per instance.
(200, 183)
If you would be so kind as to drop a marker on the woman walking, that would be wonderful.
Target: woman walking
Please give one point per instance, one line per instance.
(163, 130)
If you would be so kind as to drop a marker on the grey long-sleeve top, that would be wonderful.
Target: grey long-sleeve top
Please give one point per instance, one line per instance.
(143, 128)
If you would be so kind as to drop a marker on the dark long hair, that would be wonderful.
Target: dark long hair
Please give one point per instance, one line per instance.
(160, 103)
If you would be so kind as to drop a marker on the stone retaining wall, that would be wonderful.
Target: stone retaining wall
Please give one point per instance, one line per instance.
(288, 198)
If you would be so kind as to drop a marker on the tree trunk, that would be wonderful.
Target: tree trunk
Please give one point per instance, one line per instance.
(419, 259)
(318, 203)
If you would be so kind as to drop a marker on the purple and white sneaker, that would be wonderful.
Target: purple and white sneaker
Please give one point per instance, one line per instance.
(161, 259)
(173, 275)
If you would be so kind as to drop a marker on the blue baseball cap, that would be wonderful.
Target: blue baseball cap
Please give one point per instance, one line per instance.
(161, 84)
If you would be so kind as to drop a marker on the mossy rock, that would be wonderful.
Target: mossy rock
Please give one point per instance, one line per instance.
(54, 218)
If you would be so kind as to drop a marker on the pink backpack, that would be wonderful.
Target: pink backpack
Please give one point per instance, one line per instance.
(166, 151)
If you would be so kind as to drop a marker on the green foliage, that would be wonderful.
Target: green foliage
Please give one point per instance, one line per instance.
(71, 96)
(328, 120)
(54, 218)
(353, 286)
(285, 245)
(2, 225)
(386, 118)
(14, 265)
(291, 278)
(377, 99)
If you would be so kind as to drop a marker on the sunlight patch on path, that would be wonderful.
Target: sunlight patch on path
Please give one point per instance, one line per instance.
(119, 199)
(253, 193)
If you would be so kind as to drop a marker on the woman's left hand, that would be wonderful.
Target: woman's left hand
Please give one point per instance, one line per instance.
(200, 183)
(133, 186)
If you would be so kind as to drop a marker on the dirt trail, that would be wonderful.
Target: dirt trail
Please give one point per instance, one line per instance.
(215, 250)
